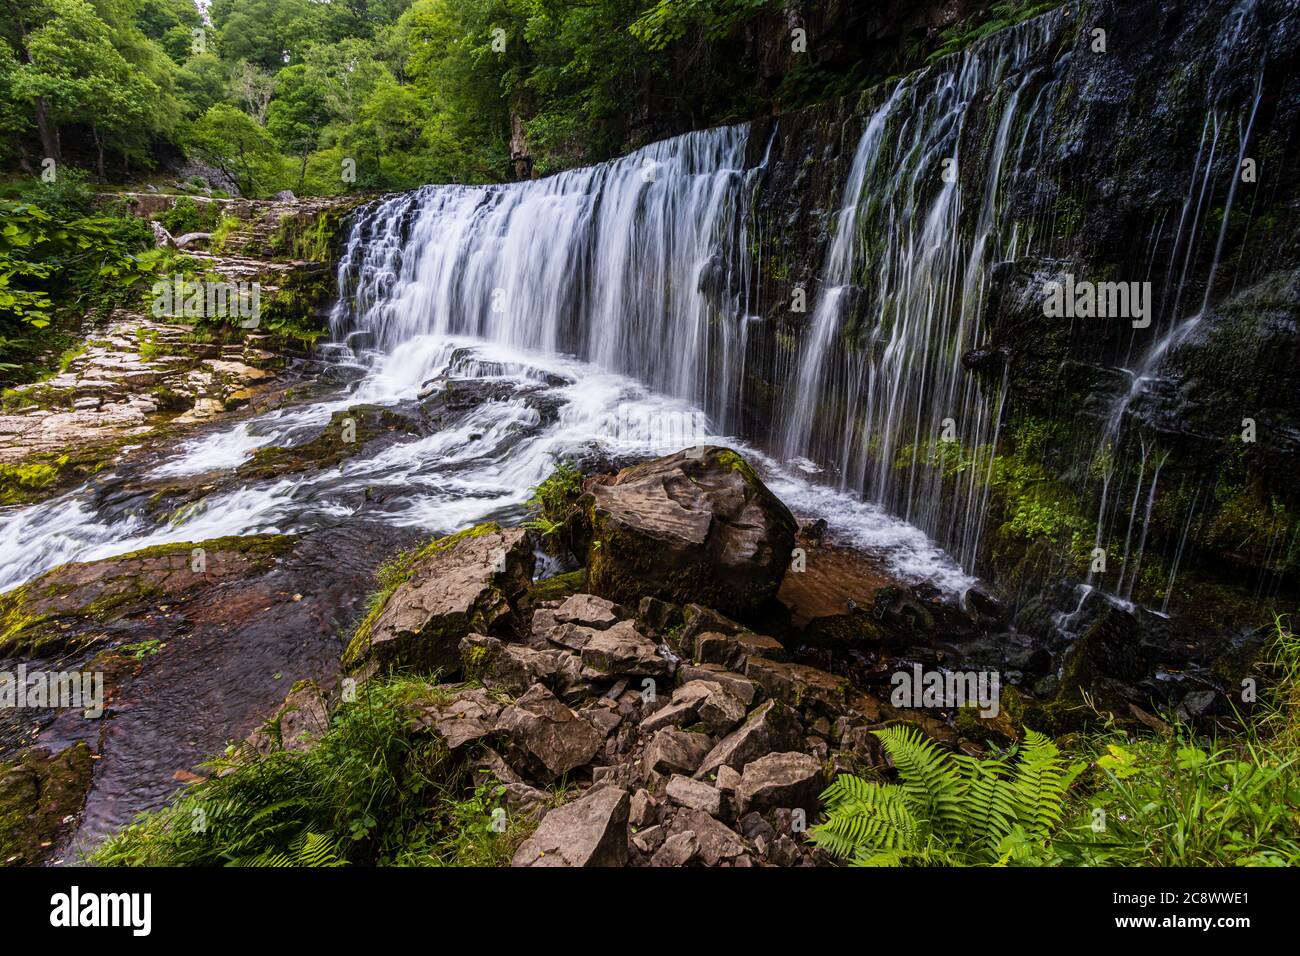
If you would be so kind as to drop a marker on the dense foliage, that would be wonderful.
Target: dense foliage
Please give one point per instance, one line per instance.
(369, 792)
(326, 97)
(1169, 798)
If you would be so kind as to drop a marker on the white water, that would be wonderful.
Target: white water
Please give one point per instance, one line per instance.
(443, 481)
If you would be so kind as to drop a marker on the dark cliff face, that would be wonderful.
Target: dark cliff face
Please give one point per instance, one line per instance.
(1123, 164)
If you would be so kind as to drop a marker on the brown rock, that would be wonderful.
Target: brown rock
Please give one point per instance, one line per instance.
(786, 780)
(543, 728)
(773, 727)
(590, 831)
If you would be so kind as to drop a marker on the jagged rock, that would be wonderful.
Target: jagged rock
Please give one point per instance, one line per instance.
(455, 586)
(590, 831)
(643, 809)
(678, 850)
(698, 526)
(603, 715)
(789, 780)
(695, 794)
(728, 779)
(682, 709)
(544, 729)
(718, 843)
(468, 718)
(733, 651)
(589, 610)
(573, 637)
(659, 616)
(622, 650)
(649, 839)
(800, 686)
(773, 727)
(675, 751)
(720, 710)
(742, 687)
(301, 719)
(519, 794)
(514, 667)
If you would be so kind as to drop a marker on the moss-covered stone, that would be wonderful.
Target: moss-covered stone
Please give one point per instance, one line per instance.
(38, 791)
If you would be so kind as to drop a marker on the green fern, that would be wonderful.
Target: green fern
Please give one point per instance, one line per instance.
(948, 809)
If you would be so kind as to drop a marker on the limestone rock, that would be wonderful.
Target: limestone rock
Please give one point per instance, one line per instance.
(590, 831)
(698, 525)
(542, 728)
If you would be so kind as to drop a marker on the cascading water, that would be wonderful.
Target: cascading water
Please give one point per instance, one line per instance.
(885, 381)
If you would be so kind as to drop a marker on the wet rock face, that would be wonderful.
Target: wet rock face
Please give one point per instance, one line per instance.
(698, 525)
(456, 585)
(40, 794)
(80, 603)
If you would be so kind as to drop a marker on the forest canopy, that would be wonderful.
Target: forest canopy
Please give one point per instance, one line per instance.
(323, 96)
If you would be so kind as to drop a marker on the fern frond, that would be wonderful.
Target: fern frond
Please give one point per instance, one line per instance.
(864, 817)
(928, 777)
(1040, 784)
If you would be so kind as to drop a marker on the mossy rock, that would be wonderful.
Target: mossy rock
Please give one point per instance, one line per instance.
(38, 791)
(695, 527)
(67, 607)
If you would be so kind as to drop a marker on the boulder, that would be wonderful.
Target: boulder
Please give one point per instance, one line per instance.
(678, 850)
(802, 687)
(590, 831)
(697, 526)
(718, 843)
(547, 733)
(589, 610)
(736, 684)
(695, 794)
(302, 718)
(683, 709)
(790, 780)
(773, 727)
(462, 583)
(469, 717)
(675, 751)
(623, 650)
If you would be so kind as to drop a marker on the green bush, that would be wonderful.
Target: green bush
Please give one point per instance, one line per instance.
(372, 790)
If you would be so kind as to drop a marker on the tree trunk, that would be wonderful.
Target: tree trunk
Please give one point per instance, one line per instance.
(99, 150)
(49, 133)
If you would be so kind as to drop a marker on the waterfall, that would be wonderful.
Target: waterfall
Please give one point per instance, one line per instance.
(635, 265)
(643, 267)
(887, 384)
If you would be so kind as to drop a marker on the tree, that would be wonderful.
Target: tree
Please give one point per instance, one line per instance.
(232, 141)
(298, 113)
(74, 74)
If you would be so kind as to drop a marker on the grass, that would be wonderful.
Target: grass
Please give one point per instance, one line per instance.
(374, 790)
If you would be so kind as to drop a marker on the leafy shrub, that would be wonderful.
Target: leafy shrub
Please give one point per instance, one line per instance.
(948, 809)
(372, 790)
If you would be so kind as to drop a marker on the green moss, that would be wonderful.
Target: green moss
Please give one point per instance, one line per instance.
(738, 464)
(23, 481)
(560, 586)
(38, 792)
(392, 575)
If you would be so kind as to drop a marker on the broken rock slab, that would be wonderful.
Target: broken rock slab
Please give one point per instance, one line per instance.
(544, 731)
(590, 831)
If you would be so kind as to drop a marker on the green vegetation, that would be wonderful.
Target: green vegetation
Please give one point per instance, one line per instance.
(371, 790)
(947, 809)
(557, 518)
(1169, 798)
